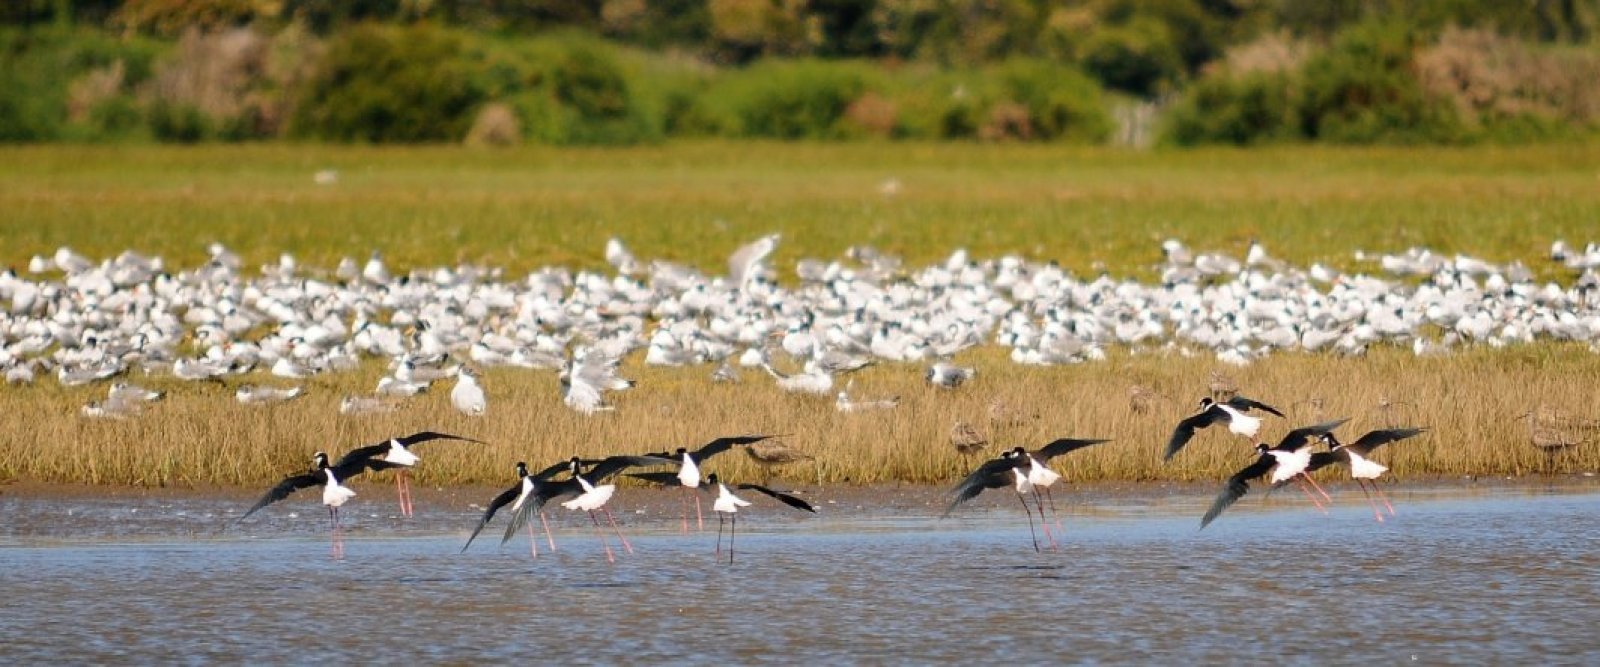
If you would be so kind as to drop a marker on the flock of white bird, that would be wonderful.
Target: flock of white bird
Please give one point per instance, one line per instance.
(87, 321)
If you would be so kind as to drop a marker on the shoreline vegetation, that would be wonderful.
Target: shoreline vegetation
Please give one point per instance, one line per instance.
(201, 437)
(628, 72)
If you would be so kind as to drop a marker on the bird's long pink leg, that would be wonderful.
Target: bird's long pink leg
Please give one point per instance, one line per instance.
(533, 541)
(699, 519)
(1302, 484)
(400, 491)
(1376, 513)
(1039, 500)
(547, 536)
(338, 536)
(1314, 485)
(1053, 513)
(1031, 532)
(684, 501)
(610, 558)
(617, 530)
(1382, 497)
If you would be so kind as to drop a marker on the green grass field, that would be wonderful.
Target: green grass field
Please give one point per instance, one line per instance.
(696, 202)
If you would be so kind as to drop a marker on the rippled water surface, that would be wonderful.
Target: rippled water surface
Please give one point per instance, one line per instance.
(1461, 575)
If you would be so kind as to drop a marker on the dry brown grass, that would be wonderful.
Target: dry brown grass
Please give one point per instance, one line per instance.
(200, 436)
(1485, 73)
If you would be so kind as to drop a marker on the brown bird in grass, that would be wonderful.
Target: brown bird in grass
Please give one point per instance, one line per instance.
(967, 440)
(1140, 398)
(1222, 387)
(1552, 430)
(1002, 413)
(770, 454)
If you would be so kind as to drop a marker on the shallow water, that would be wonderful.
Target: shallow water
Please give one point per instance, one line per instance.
(1460, 576)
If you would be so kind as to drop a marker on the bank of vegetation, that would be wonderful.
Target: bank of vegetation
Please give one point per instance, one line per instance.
(639, 71)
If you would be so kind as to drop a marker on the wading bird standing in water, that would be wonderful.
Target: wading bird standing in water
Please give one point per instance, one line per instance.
(334, 494)
(1362, 468)
(397, 452)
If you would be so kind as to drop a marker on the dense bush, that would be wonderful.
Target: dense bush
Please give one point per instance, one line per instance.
(1245, 109)
(1364, 89)
(798, 99)
(38, 70)
(1138, 57)
(385, 84)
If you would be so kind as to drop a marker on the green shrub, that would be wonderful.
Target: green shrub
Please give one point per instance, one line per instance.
(387, 84)
(37, 67)
(1139, 57)
(1364, 89)
(800, 99)
(1062, 103)
(1239, 109)
(179, 123)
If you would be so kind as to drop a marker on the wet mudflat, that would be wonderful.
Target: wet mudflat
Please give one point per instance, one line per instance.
(1464, 574)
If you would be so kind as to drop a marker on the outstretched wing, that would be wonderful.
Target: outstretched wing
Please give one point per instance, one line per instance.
(350, 467)
(1302, 436)
(546, 492)
(611, 465)
(1237, 486)
(283, 490)
(993, 474)
(1063, 446)
(1243, 404)
(782, 497)
(1186, 428)
(721, 445)
(499, 501)
(1374, 439)
(667, 478)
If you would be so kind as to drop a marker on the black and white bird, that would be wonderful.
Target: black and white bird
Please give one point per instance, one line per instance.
(580, 485)
(524, 491)
(1287, 460)
(689, 462)
(726, 505)
(1357, 455)
(1041, 476)
(1011, 469)
(397, 453)
(1230, 412)
(334, 493)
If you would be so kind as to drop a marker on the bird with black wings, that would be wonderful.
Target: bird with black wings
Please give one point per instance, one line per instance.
(1231, 412)
(1286, 460)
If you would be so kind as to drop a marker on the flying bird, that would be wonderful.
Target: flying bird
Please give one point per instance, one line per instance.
(1230, 412)
(1287, 460)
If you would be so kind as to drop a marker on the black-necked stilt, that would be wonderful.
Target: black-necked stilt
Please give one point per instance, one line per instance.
(1363, 469)
(334, 494)
(1041, 476)
(518, 494)
(397, 451)
(582, 485)
(726, 504)
(1230, 412)
(1011, 468)
(689, 469)
(1287, 460)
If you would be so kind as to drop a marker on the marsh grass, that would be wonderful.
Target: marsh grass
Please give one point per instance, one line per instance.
(201, 437)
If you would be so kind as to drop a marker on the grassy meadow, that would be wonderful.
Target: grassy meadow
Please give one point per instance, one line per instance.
(696, 202)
